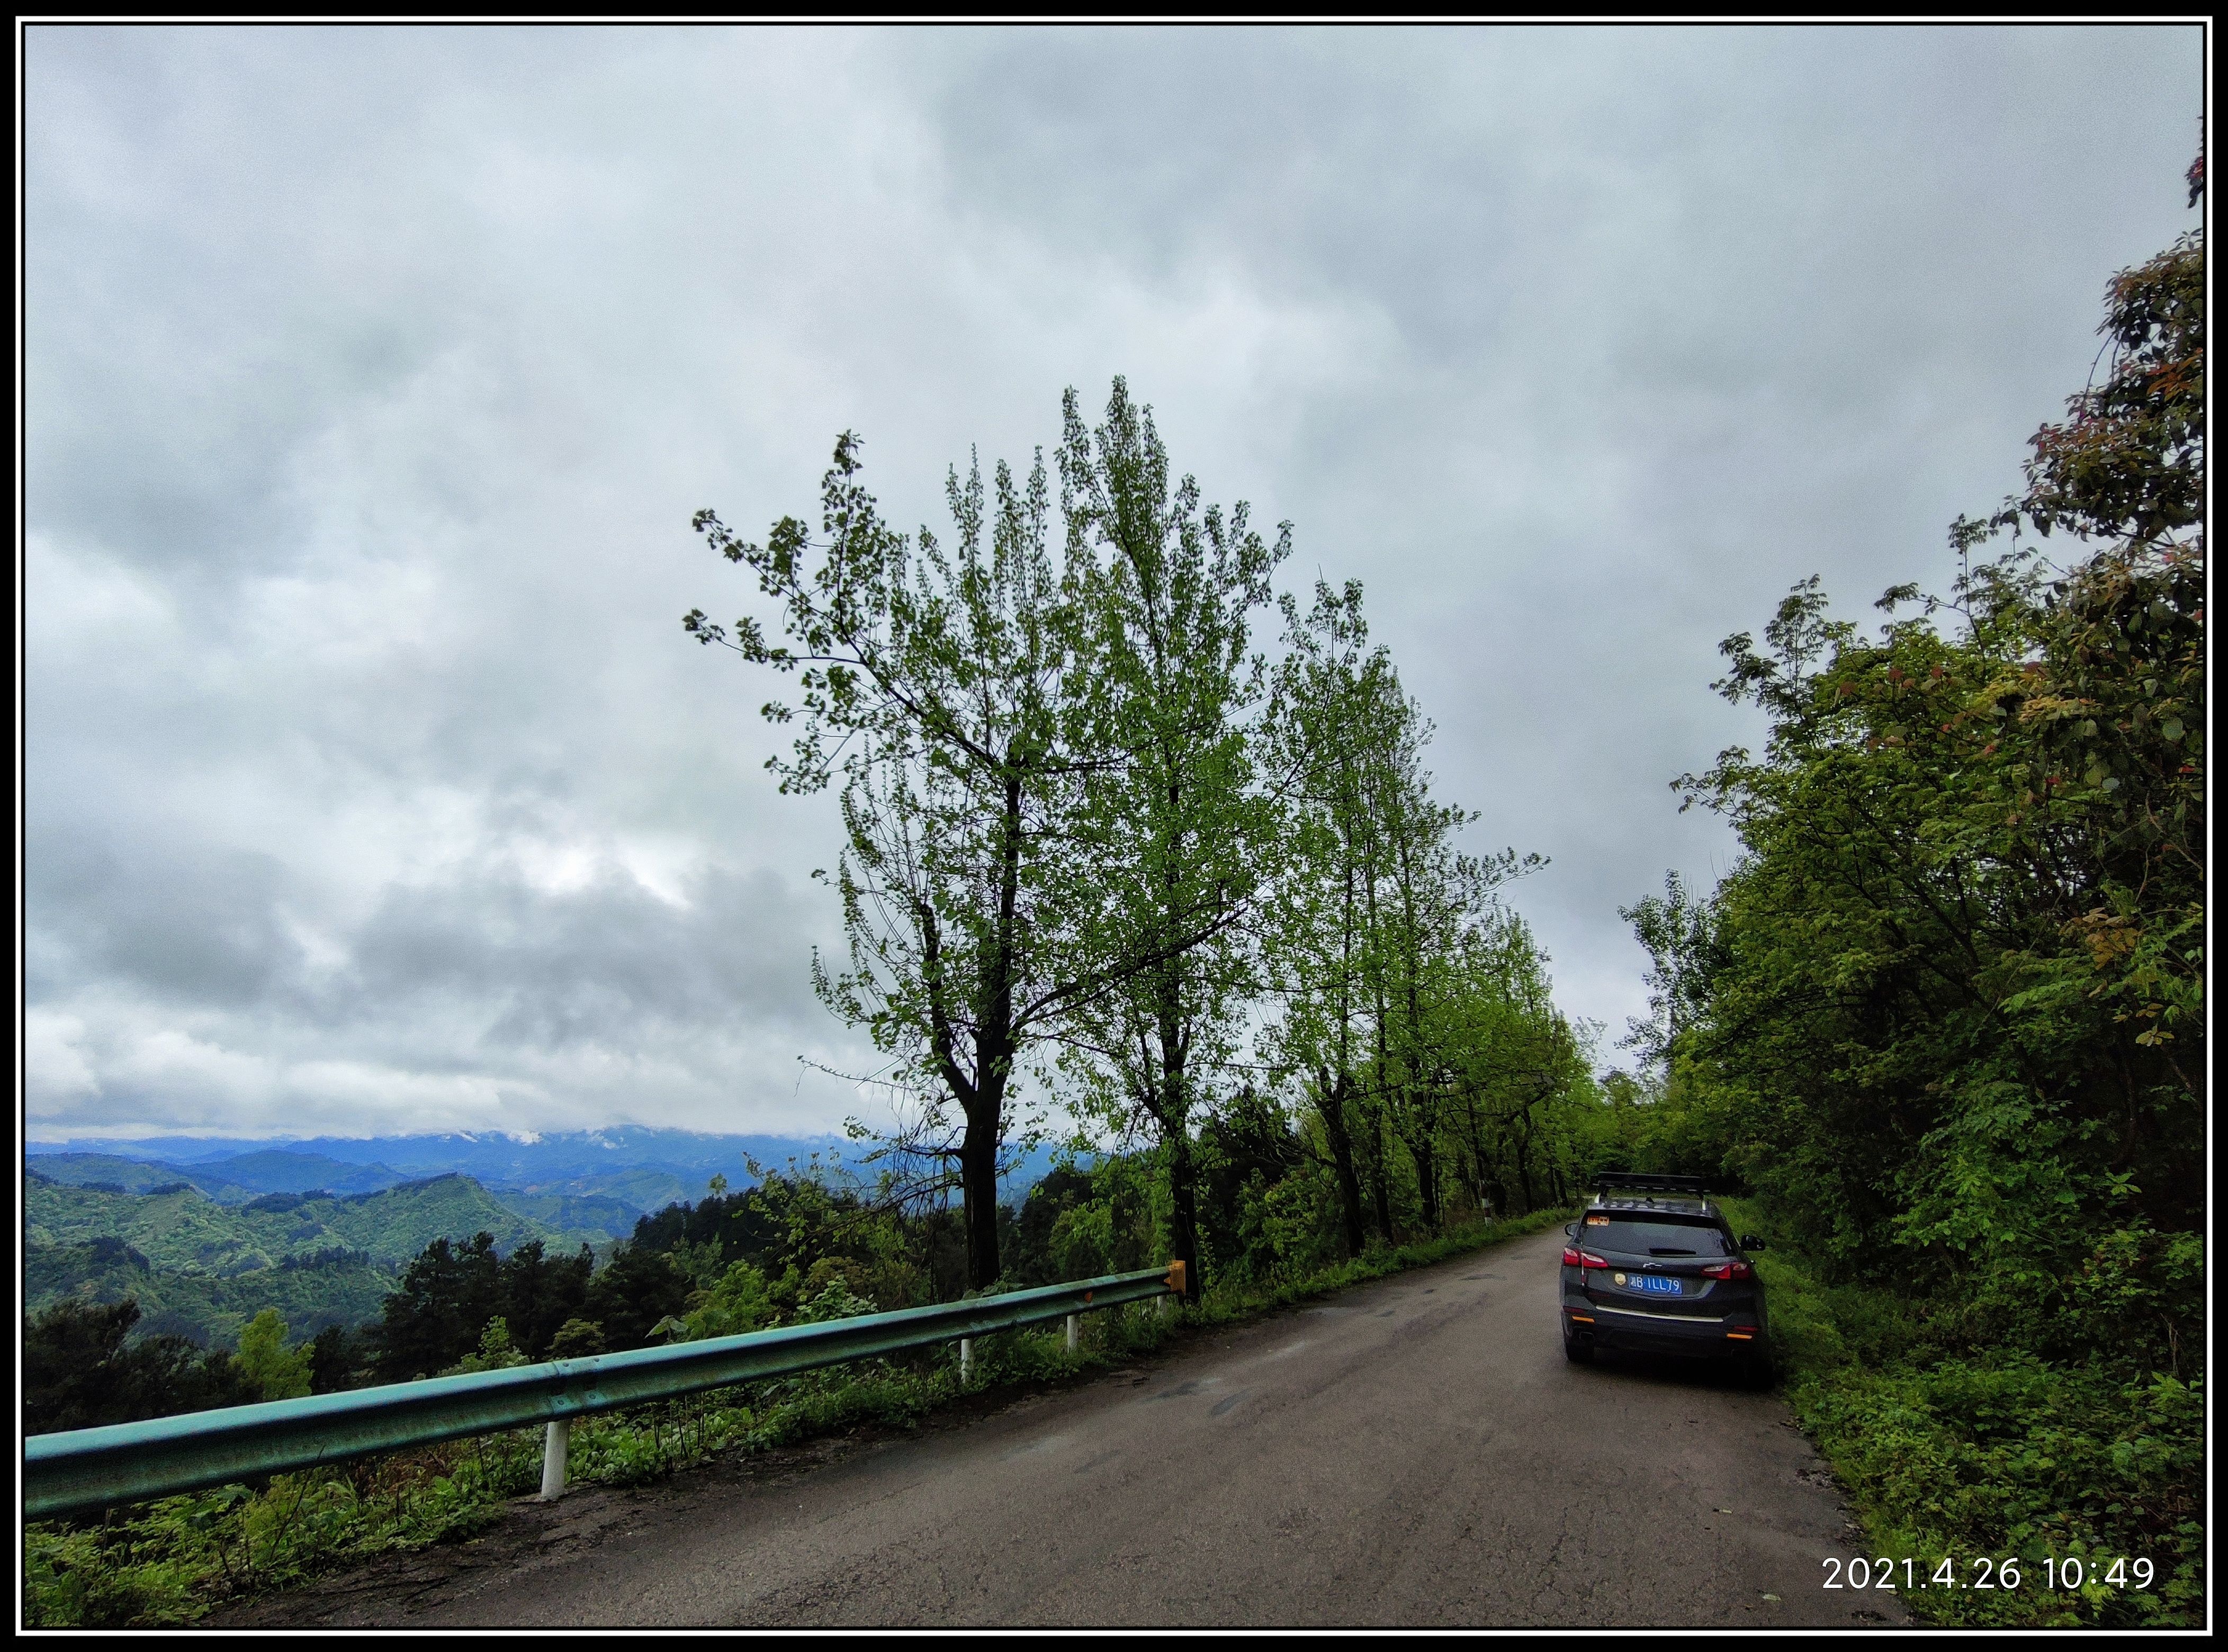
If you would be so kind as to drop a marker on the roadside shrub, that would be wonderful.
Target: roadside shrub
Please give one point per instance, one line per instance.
(1953, 1449)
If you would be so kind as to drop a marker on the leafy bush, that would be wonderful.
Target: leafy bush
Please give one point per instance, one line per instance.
(1951, 1449)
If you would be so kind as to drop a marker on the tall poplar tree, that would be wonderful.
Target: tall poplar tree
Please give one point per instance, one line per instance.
(1179, 835)
(942, 682)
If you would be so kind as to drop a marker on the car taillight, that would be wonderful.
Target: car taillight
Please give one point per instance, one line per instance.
(1729, 1270)
(1574, 1258)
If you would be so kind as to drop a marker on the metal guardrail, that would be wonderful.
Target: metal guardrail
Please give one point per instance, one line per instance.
(127, 1463)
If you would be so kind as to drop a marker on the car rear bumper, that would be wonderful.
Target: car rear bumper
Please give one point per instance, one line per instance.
(1639, 1332)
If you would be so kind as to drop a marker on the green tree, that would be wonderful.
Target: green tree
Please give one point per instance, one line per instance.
(1946, 1013)
(1948, 1008)
(79, 1371)
(271, 1369)
(633, 1293)
(1393, 960)
(1330, 712)
(578, 1339)
(496, 1351)
(943, 681)
(1177, 834)
(1521, 1112)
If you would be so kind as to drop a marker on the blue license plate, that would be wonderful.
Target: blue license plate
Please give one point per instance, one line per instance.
(1655, 1282)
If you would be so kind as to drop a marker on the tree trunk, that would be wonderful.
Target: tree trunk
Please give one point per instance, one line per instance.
(1183, 1200)
(1377, 1174)
(1427, 1178)
(1341, 1156)
(1471, 1166)
(978, 1182)
(994, 1054)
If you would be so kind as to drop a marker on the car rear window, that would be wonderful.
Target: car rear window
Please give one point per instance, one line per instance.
(1632, 1237)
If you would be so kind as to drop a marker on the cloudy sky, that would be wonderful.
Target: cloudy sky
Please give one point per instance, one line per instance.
(373, 376)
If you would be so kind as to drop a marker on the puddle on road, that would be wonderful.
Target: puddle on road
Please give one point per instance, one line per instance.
(1223, 1407)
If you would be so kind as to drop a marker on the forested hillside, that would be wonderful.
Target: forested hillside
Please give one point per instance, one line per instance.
(109, 1173)
(339, 1288)
(200, 1270)
(181, 1229)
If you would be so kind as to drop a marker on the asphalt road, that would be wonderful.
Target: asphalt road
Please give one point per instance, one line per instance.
(1413, 1452)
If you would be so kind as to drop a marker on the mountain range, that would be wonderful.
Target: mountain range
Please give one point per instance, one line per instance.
(205, 1232)
(178, 1228)
(642, 1169)
(204, 1268)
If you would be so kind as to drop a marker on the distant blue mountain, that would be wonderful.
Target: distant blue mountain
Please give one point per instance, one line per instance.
(229, 1181)
(643, 1167)
(491, 1157)
(278, 1170)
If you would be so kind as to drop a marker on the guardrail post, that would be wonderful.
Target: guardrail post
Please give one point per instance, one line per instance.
(556, 1439)
(1074, 1322)
(966, 1359)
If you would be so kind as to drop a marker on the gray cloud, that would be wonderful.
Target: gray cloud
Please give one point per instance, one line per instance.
(609, 963)
(373, 375)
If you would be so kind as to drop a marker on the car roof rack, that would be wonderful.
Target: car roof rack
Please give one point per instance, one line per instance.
(1649, 1181)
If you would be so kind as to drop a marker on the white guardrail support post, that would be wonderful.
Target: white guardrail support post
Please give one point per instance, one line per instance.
(966, 1359)
(556, 1440)
(1074, 1326)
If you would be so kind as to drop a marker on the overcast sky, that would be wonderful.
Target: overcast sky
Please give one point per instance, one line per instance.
(370, 784)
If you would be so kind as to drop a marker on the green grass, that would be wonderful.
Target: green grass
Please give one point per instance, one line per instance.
(1950, 1452)
(169, 1561)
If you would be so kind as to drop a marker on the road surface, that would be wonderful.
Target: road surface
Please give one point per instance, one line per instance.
(1414, 1451)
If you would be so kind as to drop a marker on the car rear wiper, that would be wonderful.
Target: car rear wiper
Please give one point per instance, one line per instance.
(1652, 1250)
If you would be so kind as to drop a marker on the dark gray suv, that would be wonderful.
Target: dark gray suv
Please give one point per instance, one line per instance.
(1652, 1267)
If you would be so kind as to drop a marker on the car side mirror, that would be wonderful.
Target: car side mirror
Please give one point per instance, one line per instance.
(1570, 1230)
(1752, 1243)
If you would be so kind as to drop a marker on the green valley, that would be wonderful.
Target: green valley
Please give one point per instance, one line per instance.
(342, 1290)
(201, 1269)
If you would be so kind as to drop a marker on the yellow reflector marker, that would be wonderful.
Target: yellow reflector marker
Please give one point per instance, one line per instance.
(1742, 1336)
(1584, 1319)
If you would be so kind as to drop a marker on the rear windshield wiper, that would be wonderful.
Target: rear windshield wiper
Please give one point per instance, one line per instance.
(1652, 1250)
